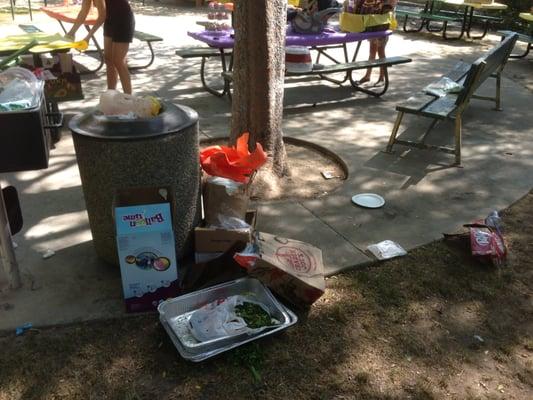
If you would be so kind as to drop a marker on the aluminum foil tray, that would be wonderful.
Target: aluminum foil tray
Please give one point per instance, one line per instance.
(174, 315)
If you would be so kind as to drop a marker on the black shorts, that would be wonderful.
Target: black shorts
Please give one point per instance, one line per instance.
(120, 29)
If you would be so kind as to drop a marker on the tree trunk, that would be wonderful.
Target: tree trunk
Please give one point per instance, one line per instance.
(258, 75)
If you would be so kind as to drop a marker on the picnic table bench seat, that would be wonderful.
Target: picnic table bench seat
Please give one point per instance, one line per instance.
(323, 70)
(451, 106)
(521, 37)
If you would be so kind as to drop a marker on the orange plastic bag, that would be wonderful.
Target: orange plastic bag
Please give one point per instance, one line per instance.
(235, 163)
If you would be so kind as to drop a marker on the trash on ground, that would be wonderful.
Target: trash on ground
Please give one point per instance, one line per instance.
(146, 247)
(225, 327)
(20, 330)
(368, 200)
(292, 269)
(231, 316)
(48, 253)
(329, 175)
(484, 239)
(479, 338)
(386, 249)
(236, 163)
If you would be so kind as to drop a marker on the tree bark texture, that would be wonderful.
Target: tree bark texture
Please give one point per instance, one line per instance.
(258, 75)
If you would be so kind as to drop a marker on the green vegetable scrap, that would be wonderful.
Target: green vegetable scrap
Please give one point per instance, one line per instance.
(254, 315)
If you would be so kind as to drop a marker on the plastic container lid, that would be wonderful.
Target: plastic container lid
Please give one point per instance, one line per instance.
(172, 119)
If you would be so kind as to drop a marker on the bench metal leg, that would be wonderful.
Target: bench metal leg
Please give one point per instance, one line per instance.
(458, 139)
(422, 24)
(497, 99)
(392, 138)
(226, 89)
(375, 93)
(435, 30)
(528, 48)
(152, 58)
(485, 30)
(322, 51)
(445, 32)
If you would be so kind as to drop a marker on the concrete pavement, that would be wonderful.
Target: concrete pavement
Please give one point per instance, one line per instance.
(424, 196)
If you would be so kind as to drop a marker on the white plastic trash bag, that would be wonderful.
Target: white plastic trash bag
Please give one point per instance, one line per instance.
(219, 319)
(442, 87)
(386, 249)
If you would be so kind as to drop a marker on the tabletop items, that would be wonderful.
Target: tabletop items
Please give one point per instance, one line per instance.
(218, 18)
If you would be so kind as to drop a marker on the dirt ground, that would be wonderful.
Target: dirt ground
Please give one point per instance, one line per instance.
(313, 173)
(432, 325)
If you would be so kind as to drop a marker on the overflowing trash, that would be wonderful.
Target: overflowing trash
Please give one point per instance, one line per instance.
(484, 239)
(236, 163)
(19, 89)
(114, 103)
(235, 313)
(228, 317)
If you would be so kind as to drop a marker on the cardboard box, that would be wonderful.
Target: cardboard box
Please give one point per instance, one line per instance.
(292, 269)
(146, 248)
(218, 200)
(211, 243)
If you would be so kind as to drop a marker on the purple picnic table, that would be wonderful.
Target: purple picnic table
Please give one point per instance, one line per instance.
(330, 38)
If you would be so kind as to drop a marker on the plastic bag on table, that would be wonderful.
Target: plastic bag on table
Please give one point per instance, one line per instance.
(219, 319)
(442, 87)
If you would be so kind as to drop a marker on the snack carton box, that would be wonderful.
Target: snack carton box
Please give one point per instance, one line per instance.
(147, 255)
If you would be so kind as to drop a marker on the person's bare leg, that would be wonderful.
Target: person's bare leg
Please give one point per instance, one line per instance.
(120, 52)
(371, 56)
(381, 54)
(111, 72)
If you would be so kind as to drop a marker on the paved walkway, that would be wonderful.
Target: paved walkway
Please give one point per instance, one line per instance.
(424, 196)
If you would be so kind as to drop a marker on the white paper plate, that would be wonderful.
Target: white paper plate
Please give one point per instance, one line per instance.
(368, 200)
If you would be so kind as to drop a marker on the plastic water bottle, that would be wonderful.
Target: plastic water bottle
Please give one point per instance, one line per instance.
(494, 221)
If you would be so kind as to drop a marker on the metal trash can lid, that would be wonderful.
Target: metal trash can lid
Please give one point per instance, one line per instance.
(172, 119)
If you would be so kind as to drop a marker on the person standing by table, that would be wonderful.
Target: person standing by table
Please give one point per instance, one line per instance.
(377, 46)
(119, 25)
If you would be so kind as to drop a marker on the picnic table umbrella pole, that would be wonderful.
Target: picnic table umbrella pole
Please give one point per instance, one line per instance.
(7, 253)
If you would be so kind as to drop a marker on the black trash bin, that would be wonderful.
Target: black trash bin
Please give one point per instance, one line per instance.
(25, 139)
(116, 154)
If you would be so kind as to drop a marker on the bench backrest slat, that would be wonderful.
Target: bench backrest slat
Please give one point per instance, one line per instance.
(482, 68)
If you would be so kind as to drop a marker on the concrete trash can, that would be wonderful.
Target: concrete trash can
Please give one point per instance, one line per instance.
(116, 154)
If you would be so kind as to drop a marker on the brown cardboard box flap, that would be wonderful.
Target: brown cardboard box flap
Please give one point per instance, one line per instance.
(292, 269)
(217, 200)
(215, 240)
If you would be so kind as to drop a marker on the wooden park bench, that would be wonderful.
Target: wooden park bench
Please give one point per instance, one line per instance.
(451, 106)
(521, 37)
(323, 70)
